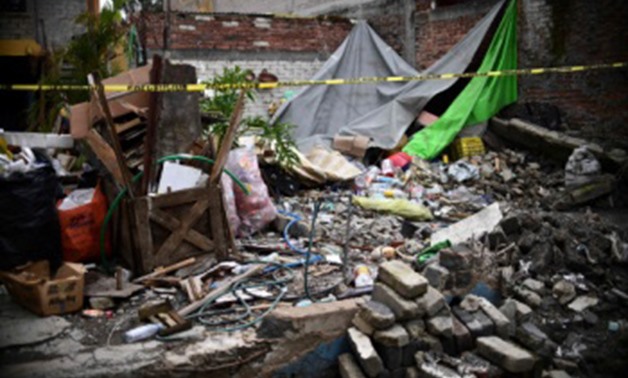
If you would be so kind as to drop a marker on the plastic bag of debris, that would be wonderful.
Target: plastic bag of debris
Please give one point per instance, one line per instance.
(230, 203)
(255, 210)
(582, 167)
(29, 225)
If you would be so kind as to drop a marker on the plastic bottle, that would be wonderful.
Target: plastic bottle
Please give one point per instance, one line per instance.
(142, 332)
(388, 169)
(363, 181)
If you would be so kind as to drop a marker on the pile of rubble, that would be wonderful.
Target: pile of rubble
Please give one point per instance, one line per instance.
(408, 325)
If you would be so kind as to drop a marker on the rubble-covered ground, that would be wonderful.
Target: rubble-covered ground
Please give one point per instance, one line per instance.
(558, 278)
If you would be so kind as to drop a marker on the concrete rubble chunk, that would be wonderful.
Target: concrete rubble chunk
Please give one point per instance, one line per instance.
(583, 302)
(505, 354)
(530, 336)
(440, 326)
(534, 285)
(415, 328)
(431, 370)
(530, 297)
(365, 352)
(477, 323)
(402, 278)
(564, 291)
(377, 314)
(391, 356)
(431, 302)
(436, 275)
(522, 311)
(502, 323)
(403, 309)
(470, 303)
(348, 367)
(395, 336)
(361, 324)
(462, 336)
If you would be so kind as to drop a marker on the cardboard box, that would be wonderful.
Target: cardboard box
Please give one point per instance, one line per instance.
(32, 287)
(85, 114)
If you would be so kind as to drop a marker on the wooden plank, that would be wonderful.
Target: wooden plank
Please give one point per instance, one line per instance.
(227, 140)
(225, 287)
(105, 154)
(99, 94)
(154, 111)
(173, 241)
(122, 127)
(193, 237)
(143, 234)
(177, 198)
(163, 271)
(217, 222)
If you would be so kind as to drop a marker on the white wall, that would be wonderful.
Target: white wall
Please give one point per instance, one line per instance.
(299, 7)
(283, 69)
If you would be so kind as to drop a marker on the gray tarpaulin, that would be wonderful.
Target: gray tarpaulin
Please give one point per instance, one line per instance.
(381, 111)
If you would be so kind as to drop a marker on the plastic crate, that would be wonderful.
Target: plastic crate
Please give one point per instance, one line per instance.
(468, 146)
(32, 287)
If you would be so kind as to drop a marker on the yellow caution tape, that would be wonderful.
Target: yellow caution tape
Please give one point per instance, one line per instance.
(300, 83)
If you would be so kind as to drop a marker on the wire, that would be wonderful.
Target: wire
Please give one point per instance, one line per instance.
(317, 206)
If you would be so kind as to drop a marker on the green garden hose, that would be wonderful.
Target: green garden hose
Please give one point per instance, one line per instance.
(116, 202)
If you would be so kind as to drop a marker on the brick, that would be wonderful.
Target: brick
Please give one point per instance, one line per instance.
(431, 302)
(396, 336)
(415, 328)
(377, 314)
(364, 327)
(440, 326)
(534, 285)
(477, 323)
(522, 311)
(402, 278)
(461, 335)
(403, 309)
(456, 258)
(431, 370)
(437, 275)
(348, 367)
(528, 296)
(391, 356)
(365, 353)
(505, 354)
(501, 322)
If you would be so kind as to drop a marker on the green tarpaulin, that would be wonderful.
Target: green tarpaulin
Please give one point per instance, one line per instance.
(481, 99)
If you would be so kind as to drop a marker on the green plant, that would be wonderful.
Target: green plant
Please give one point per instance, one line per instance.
(221, 104)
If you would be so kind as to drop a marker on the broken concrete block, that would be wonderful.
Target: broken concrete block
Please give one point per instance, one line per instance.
(415, 328)
(377, 314)
(403, 309)
(461, 335)
(456, 258)
(505, 354)
(530, 336)
(431, 370)
(365, 352)
(522, 312)
(477, 323)
(534, 285)
(528, 296)
(361, 324)
(583, 302)
(402, 278)
(395, 336)
(501, 322)
(564, 291)
(470, 303)
(348, 367)
(437, 276)
(431, 302)
(481, 367)
(440, 326)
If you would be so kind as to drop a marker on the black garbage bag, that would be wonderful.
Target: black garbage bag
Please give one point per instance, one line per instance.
(29, 225)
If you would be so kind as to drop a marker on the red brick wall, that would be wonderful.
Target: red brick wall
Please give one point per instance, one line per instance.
(247, 33)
